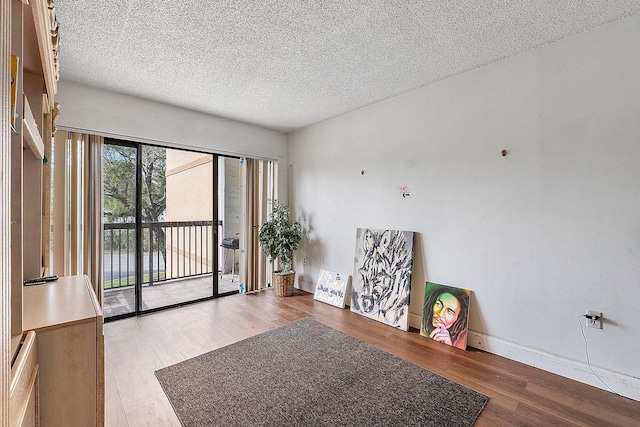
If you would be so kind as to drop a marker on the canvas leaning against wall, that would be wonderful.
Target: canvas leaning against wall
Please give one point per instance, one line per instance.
(445, 314)
(332, 288)
(382, 275)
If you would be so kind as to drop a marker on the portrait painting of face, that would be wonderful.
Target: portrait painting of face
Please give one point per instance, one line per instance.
(445, 314)
(381, 283)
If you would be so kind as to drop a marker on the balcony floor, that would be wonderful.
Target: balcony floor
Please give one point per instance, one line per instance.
(122, 300)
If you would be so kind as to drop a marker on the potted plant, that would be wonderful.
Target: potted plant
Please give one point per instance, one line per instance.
(278, 238)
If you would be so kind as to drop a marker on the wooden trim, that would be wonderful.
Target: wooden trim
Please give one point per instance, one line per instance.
(100, 392)
(97, 307)
(46, 108)
(16, 198)
(5, 211)
(73, 206)
(46, 196)
(59, 191)
(44, 19)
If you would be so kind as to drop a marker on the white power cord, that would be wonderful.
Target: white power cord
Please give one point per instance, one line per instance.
(586, 352)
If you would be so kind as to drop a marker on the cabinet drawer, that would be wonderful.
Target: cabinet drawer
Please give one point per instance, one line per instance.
(23, 403)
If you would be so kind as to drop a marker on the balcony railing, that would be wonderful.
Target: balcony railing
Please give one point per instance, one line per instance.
(171, 250)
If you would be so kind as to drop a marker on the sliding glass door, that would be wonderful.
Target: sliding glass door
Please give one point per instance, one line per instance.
(178, 237)
(182, 231)
(119, 222)
(229, 225)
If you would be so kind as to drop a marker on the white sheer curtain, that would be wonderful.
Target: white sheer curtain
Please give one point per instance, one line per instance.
(77, 216)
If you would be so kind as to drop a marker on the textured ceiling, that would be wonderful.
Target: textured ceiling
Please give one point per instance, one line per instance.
(287, 64)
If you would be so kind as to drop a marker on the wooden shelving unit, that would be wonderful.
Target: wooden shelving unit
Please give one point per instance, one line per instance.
(52, 342)
(32, 44)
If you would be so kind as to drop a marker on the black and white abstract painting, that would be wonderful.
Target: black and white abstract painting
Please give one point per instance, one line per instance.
(382, 275)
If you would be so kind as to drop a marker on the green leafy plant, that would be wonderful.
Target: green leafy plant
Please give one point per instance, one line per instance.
(280, 236)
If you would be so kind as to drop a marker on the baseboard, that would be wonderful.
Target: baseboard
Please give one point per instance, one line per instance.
(623, 385)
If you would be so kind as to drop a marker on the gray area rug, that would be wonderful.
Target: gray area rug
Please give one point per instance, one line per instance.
(308, 374)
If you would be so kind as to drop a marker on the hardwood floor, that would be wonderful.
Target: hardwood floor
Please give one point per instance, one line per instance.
(520, 395)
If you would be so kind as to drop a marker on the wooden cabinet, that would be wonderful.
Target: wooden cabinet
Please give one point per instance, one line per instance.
(67, 319)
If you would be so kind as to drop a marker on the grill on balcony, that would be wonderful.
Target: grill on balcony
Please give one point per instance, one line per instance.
(230, 243)
(227, 244)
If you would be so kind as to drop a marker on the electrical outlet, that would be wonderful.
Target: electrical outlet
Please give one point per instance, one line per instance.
(594, 319)
(304, 260)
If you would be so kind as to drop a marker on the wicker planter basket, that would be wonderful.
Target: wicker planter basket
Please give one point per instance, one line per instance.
(283, 283)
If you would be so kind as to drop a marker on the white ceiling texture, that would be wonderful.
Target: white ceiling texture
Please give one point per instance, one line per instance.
(285, 64)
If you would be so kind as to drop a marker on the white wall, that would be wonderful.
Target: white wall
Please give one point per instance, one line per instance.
(110, 114)
(540, 235)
